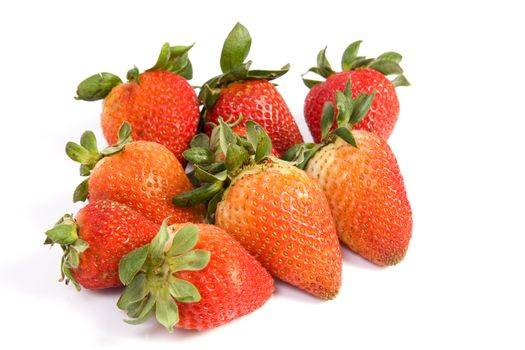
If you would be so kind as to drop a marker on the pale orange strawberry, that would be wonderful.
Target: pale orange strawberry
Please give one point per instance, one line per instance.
(276, 211)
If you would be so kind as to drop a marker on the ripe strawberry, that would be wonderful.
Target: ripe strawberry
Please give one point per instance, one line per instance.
(143, 175)
(93, 243)
(277, 212)
(362, 181)
(215, 283)
(248, 93)
(159, 103)
(367, 75)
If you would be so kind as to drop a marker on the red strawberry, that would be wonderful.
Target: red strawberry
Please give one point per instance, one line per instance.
(93, 243)
(248, 93)
(143, 175)
(277, 212)
(159, 104)
(367, 75)
(362, 181)
(193, 277)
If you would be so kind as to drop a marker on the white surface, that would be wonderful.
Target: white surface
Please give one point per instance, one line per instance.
(458, 143)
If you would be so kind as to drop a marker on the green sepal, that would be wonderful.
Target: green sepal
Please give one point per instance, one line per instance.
(346, 135)
(198, 155)
(226, 136)
(131, 263)
(200, 140)
(268, 74)
(236, 156)
(212, 206)
(300, 154)
(66, 233)
(387, 63)
(327, 119)
(208, 177)
(81, 192)
(344, 108)
(133, 75)
(174, 59)
(183, 291)
(309, 82)
(350, 54)
(193, 260)
(157, 245)
(236, 48)
(198, 195)
(81, 155)
(361, 105)
(259, 139)
(154, 289)
(145, 310)
(124, 137)
(97, 86)
(135, 291)
(400, 80)
(184, 240)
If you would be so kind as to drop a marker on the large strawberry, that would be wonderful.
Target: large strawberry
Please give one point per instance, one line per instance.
(95, 241)
(193, 277)
(362, 181)
(240, 91)
(159, 103)
(277, 212)
(367, 74)
(143, 175)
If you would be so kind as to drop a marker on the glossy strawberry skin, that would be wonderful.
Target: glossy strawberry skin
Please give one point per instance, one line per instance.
(112, 230)
(367, 197)
(257, 100)
(283, 219)
(162, 108)
(145, 176)
(380, 119)
(233, 283)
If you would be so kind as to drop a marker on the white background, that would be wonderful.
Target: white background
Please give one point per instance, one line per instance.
(459, 143)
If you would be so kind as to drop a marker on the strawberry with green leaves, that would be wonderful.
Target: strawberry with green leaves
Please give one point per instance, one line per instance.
(159, 103)
(368, 75)
(240, 91)
(361, 179)
(142, 175)
(192, 277)
(95, 241)
(275, 210)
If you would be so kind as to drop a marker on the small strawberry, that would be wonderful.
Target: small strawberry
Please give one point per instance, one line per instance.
(362, 181)
(192, 277)
(240, 91)
(277, 212)
(159, 103)
(93, 243)
(367, 74)
(143, 175)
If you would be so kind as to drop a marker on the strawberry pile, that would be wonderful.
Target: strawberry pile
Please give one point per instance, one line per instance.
(201, 200)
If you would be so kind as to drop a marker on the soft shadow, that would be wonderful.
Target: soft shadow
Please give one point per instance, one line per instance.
(285, 290)
(353, 259)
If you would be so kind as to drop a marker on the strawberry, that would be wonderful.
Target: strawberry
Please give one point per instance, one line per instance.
(240, 91)
(277, 212)
(159, 103)
(362, 181)
(93, 243)
(192, 277)
(142, 175)
(367, 75)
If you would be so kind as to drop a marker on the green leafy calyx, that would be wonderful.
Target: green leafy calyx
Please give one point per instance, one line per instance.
(173, 59)
(149, 273)
(87, 154)
(234, 67)
(65, 234)
(335, 123)
(386, 63)
(219, 159)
